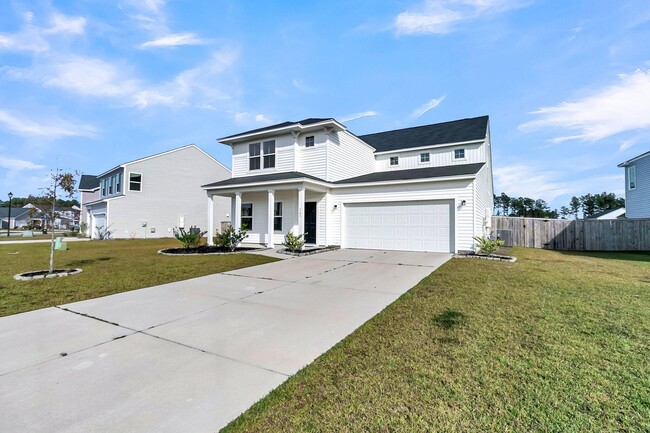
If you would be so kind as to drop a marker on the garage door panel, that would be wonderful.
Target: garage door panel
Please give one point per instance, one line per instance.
(408, 226)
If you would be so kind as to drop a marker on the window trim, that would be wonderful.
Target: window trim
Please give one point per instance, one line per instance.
(277, 217)
(631, 178)
(241, 217)
(459, 157)
(390, 161)
(257, 157)
(313, 141)
(138, 182)
(428, 155)
(265, 155)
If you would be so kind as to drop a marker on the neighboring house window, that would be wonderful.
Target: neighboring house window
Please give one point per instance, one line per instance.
(459, 153)
(254, 156)
(631, 177)
(394, 160)
(424, 157)
(269, 154)
(102, 184)
(135, 182)
(110, 185)
(309, 141)
(118, 182)
(247, 216)
(277, 217)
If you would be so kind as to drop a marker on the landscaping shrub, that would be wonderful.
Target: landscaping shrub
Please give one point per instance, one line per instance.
(487, 245)
(189, 239)
(294, 242)
(231, 238)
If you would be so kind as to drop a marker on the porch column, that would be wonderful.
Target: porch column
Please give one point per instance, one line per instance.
(271, 214)
(301, 210)
(237, 212)
(210, 219)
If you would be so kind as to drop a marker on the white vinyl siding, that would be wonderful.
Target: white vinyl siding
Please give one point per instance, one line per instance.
(484, 201)
(313, 160)
(284, 157)
(259, 200)
(172, 190)
(348, 156)
(438, 157)
(405, 226)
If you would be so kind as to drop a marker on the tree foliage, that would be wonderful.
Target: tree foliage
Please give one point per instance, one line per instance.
(578, 207)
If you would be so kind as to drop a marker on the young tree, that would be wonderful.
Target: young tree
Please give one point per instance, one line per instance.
(575, 205)
(505, 203)
(60, 184)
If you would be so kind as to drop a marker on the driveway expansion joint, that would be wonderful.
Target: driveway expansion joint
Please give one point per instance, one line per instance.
(92, 317)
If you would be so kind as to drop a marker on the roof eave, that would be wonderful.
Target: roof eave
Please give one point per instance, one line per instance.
(458, 143)
(266, 183)
(230, 140)
(403, 181)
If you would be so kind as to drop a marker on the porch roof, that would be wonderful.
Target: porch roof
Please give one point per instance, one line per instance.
(271, 177)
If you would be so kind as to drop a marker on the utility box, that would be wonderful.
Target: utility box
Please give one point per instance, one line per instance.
(506, 237)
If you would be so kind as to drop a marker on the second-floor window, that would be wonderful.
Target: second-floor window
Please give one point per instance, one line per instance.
(424, 157)
(309, 141)
(135, 182)
(459, 154)
(394, 160)
(111, 185)
(631, 178)
(261, 154)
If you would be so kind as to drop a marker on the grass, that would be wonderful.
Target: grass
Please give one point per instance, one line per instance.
(556, 342)
(108, 267)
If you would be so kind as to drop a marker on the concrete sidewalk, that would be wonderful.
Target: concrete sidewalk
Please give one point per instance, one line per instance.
(190, 355)
(42, 241)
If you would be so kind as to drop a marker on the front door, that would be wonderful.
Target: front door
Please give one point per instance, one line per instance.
(310, 222)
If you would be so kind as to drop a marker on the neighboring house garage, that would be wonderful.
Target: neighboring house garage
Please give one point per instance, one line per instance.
(406, 226)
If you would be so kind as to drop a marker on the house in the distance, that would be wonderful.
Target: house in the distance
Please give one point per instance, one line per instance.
(427, 188)
(20, 217)
(149, 197)
(637, 186)
(610, 214)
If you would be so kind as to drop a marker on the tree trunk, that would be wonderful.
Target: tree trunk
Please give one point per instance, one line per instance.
(52, 242)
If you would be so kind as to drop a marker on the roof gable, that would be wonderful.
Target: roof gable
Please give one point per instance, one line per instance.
(457, 131)
(88, 182)
(278, 126)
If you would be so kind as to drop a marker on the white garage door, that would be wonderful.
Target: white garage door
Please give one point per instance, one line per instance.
(406, 226)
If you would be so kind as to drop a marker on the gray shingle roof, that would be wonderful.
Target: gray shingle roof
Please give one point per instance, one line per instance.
(263, 178)
(88, 181)
(416, 173)
(16, 212)
(303, 122)
(456, 131)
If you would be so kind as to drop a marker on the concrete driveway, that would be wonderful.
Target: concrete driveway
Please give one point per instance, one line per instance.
(191, 355)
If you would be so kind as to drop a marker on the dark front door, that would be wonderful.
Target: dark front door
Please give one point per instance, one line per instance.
(310, 222)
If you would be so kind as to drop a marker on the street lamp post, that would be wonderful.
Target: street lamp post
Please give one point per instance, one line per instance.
(9, 219)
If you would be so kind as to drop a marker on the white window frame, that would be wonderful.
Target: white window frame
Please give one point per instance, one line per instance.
(140, 182)
(428, 156)
(459, 157)
(631, 178)
(276, 216)
(313, 141)
(265, 155)
(118, 183)
(390, 161)
(258, 156)
(241, 221)
(110, 185)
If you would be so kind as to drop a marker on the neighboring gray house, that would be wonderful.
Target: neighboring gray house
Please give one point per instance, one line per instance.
(637, 186)
(426, 188)
(19, 217)
(149, 197)
(610, 214)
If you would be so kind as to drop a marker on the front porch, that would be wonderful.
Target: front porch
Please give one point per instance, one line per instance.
(269, 211)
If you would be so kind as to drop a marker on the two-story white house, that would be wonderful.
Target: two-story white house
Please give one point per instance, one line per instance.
(149, 197)
(637, 186)
(427, 188)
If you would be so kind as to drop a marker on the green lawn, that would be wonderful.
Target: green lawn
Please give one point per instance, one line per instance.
(556, 342)
(108, 267)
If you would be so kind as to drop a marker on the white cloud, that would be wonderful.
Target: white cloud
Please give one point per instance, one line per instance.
(33, 38)
(536, 181)
(302, 86)
(620, 107)
(244, 118)
(10, 163)
(356, 116)
(174, 40)
(442, 16)
(420, 111)
(261, 118)
(52, 129)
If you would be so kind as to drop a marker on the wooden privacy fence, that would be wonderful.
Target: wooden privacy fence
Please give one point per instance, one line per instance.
(580, 235)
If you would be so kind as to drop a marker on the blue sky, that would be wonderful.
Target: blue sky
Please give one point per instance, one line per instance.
(93, 83)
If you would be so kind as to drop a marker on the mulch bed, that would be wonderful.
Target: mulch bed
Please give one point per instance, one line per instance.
(204, 249)
(39, 275)
(309, 251)
(495, 257)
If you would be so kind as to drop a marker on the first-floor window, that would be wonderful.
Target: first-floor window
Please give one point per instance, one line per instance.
(247, 216)
(277, 217)
(394, 160)
(135, 182)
